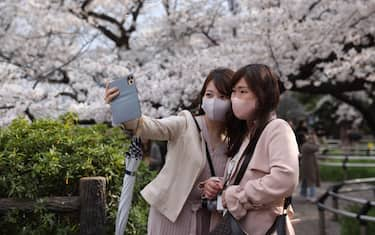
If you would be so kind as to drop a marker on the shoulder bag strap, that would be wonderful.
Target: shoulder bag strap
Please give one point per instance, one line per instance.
(287, 202)
(249, 153)
(207, 151)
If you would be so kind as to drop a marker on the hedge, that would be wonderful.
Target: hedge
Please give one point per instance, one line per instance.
(48, 157)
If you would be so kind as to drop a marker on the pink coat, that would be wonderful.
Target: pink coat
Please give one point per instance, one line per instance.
(271, 176)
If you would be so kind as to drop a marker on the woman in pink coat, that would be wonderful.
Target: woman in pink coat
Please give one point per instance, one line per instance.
(272, 173)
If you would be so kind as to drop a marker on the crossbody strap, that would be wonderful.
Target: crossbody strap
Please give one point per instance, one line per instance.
(207, 151)
(287, 202)
(249, 153)
(279, 225)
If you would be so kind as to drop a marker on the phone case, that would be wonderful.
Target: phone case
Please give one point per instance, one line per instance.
(125, 106)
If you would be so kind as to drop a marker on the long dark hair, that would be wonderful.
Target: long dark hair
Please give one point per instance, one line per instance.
(264, 83)
(221, 78)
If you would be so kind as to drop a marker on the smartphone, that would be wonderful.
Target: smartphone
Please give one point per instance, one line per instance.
(125, 106)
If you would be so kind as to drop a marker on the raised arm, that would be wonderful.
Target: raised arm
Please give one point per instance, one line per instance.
(168, 128)
(150, 128)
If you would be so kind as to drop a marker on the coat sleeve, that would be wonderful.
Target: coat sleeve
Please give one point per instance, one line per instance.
(281, 180)
(309, 148)
(168, 128)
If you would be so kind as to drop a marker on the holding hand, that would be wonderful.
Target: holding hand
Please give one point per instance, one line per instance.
(212, 187)
(110, 93)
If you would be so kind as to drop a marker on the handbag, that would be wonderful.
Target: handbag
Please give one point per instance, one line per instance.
(229, 225)
(279, 226)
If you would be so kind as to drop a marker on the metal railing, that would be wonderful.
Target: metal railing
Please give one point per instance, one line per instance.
(346, 162)
(336, 193)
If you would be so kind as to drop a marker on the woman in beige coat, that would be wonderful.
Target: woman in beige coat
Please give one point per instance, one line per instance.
(174, 195)
(272, 173)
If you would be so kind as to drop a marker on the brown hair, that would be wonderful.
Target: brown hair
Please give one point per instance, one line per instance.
(264, 84)
(221, 78)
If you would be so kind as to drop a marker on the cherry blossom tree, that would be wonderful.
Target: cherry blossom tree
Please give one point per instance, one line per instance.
(61, 52)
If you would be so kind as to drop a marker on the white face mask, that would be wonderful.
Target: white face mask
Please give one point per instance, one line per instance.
(243, 109)
(215, 108)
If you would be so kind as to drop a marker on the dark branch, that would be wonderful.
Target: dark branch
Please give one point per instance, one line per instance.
(367, 111)
(361, 19)
(109, 34)
(29, 114)
(212, 40)
(311, 8)
(351, 101)
(206, 32)
(10, 60)
(92, 122)
(87, 122)
(307, 70)
(273, 56)
(330, 88)
(121, 40)
(166, 7)
(71, 95)
(64, 80)
(105, 17)
(358, 48)
(85, 4)
(7, 107)
(135, 13)
(43, 75)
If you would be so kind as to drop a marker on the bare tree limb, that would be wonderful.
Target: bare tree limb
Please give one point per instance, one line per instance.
(329, 88)
(166, 6)
(121, 40)
(43, 75)
(233, 7)
(212, 40)
(7, 107)
(85, 4)
(272, 54)
(361, 19)
(310, 9)
(367, 111)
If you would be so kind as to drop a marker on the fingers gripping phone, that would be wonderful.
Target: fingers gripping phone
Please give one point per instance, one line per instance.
(125, 106)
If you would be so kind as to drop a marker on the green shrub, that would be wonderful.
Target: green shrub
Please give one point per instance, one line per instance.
(351, 226)
(48, 157)
(334, 173)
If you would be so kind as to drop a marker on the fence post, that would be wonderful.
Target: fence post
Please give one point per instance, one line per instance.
(335, 201)
(322, 223)
(363, 229)
(335, 204)
(92, 197)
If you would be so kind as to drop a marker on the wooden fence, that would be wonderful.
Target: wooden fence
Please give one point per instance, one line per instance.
(90, 204)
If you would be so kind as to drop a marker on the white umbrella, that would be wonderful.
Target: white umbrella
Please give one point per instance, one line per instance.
(133, 158)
